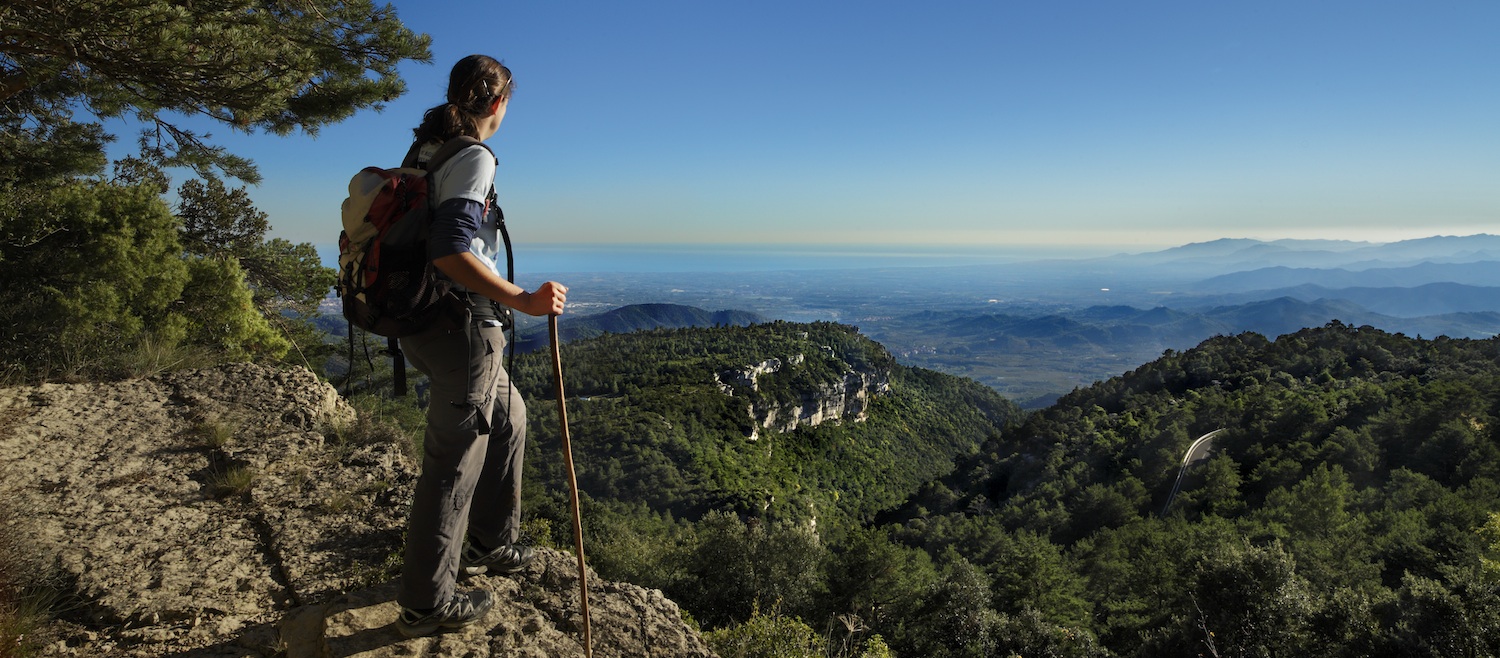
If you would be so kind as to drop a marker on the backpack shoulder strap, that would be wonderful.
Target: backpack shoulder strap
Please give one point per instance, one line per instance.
(453, 147)
(447, 150)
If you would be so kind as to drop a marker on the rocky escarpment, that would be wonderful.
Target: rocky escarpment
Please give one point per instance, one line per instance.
(240, 511)
(847, 399)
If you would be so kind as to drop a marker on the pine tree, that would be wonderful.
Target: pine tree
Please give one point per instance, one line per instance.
(82, 282)
(272, 65)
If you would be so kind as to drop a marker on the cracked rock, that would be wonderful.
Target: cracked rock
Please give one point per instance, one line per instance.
(207, 513)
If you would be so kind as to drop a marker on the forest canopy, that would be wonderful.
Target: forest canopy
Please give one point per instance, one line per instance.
(1348, 507)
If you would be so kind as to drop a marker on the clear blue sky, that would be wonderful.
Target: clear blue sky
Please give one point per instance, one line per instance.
(1000, 122)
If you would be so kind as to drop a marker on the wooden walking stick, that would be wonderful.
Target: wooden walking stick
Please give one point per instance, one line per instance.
(562, 421)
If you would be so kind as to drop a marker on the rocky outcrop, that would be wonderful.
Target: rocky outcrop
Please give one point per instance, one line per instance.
(848, 399)
(749, 376)
(240, 511)
(538, 616)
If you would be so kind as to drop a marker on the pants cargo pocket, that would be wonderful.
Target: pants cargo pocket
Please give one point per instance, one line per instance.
(473, 418)
(486, 345)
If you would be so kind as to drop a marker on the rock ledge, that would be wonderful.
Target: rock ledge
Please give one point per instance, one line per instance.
(227, 512)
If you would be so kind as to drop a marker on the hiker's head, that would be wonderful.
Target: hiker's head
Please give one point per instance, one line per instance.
(476, 81)
(479, 89)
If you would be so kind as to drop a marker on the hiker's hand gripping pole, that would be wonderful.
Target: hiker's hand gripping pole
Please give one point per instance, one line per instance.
(562, 423)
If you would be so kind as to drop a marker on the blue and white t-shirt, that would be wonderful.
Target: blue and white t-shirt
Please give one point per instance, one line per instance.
(464, 219)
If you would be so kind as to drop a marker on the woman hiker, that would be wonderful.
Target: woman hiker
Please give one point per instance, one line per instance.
(466, 511)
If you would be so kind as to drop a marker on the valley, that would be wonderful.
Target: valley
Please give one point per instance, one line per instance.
(1034, 330)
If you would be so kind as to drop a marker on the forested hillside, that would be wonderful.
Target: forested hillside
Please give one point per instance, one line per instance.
(684, 492)
(1346, 511)
(654, 422)
(625, 319)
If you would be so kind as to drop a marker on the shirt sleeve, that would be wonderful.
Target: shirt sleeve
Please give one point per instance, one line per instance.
(468, 175)
(453, 227)
(462, 187)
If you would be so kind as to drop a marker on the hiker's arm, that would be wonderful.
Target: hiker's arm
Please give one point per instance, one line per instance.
(467, 270)
(453, 229)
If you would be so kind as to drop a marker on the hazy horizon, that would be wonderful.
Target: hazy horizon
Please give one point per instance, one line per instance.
(553, 258)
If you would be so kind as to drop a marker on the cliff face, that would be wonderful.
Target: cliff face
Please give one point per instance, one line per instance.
(847, 399)
(233, 511)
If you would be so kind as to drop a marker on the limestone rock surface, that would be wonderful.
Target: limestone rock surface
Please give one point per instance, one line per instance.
(230, 511)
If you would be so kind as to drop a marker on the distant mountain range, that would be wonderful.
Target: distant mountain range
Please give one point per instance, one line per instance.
(1418, 301)
(1408, 279)
(1024, 355)
(1239, 265)
(1241, 253)
(1121, 327)
(1480, 273)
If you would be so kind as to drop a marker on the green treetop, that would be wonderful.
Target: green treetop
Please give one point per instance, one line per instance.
(273, 65)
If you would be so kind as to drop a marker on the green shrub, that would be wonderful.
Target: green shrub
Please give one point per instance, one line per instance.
(112, 292)
(1489, 536)
(767, 636)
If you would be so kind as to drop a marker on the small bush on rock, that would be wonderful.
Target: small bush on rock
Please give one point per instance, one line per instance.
(235, 480)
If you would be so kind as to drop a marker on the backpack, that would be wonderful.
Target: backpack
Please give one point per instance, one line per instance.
(386, 283)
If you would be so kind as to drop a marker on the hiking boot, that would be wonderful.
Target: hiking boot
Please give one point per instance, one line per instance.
(461, 610)
(507, 559)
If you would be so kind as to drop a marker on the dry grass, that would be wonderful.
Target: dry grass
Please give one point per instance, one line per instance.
(343, 501)
(14, 626)
(367, 575)
(11, 375)
(235, 480)
(12, 623)
(381, 420)
(151, 357)
(24, 606)
(216, 432)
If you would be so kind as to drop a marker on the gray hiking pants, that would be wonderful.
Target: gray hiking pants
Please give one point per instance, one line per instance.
(472, 456)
